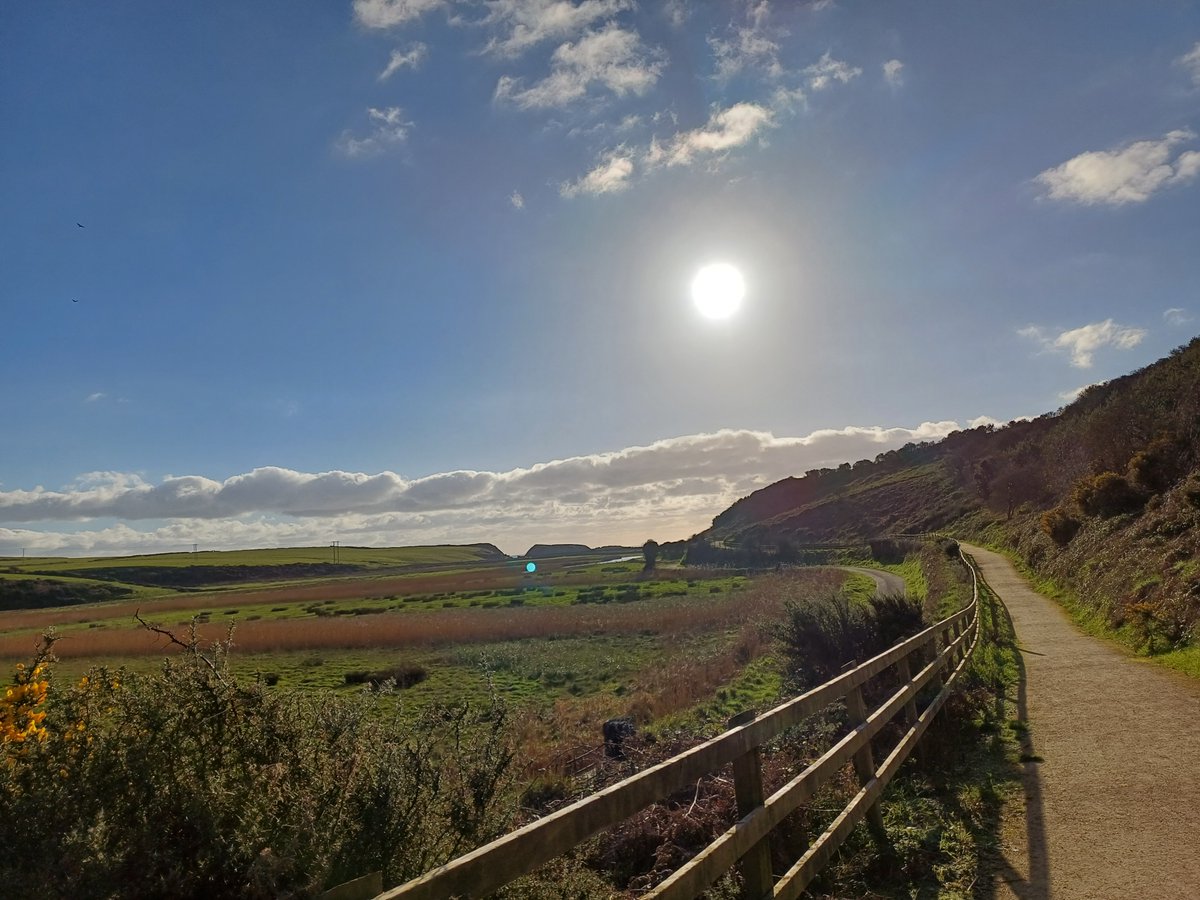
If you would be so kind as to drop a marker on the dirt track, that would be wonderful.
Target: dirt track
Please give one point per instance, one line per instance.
(1113, 786)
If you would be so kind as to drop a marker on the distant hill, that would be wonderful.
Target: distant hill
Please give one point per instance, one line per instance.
(1102, 495)
(546, 551)
(34, 582)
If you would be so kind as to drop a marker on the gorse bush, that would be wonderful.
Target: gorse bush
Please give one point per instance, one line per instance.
(190, 783)
(1106, 495)
(1060, 525)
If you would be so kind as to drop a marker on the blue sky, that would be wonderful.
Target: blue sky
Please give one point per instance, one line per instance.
(409, 271)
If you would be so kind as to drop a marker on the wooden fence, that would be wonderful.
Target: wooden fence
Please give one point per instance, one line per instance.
(941, 651)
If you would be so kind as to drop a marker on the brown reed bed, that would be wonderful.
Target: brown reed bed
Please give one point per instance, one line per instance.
(448, 627)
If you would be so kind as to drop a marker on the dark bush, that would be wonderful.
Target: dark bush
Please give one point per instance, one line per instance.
(1191, 491)
(1060, 525)
(822, 635)
(1159, 464)
(896, 617)
(1106, 495)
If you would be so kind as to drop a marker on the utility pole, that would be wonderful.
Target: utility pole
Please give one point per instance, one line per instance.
(194, 554)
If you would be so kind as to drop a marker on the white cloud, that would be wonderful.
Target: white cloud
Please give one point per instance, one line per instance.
(1176, 316)
(749, 46)
(389, 129)
(1083, 342)
(517, 201)
(612, 58)
(1129, 174)
(610, 176)
(893, 72)
(825, 71)
(1191, 62)
(92, 398)
(390, 13)
(1073, 395)
(670, 488)
(725, 130)
(526, 23)
(405, 59)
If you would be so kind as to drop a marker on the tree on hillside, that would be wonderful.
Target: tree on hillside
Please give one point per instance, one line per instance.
(650, 552)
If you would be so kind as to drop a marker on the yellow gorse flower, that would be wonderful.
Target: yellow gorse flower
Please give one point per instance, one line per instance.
(20, 717)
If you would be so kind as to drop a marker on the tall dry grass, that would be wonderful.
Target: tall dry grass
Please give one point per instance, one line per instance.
(459, 626)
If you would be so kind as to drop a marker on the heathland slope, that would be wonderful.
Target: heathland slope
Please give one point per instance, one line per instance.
(1101, 498)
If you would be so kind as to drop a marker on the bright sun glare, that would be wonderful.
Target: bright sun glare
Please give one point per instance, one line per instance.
(717, 290)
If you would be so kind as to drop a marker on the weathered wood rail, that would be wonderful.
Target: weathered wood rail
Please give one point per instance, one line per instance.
(941, 650)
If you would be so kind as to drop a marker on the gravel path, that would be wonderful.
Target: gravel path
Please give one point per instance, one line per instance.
(1113, 783)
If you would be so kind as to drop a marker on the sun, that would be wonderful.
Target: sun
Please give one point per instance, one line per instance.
(717, 290)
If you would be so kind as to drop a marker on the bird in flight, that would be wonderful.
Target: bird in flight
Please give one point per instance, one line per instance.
(78, 224)
(74, 300)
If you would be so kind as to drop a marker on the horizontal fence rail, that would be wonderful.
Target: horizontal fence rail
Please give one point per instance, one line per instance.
(940, 652)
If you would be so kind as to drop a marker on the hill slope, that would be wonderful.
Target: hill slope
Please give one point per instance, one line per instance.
(1102, 497)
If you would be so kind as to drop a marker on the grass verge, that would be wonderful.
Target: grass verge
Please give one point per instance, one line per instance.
(1093, 621)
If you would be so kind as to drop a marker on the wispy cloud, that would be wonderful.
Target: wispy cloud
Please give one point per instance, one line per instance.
(1128, 174)
(517, 201)
(669, 488)
(749, 45)
(1176, 316)
(1083, 342)
(390, 13)
(611, 175)
(725, 130)
(613, 58)
(93, 398)
(827, 70)
(405, 59)
(526, 23)
(1190, 62)
(893, 72)
(389, 128)
(676, 12)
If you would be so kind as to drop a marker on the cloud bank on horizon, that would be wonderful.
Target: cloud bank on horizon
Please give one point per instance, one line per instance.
(668, 489)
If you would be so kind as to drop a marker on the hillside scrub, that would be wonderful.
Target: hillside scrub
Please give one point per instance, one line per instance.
(192, 783)
(1100, 498)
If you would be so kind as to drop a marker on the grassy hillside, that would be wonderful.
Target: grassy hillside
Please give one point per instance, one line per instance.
(1100, 501)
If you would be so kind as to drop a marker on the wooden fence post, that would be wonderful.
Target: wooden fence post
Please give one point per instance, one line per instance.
(864, 765)
(758, 881)
(904, 670)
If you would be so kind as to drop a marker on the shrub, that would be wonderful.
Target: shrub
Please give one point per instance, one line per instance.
(823, 634)
(1060, 525)
(896, 617)
(1191, 491)
(1106, 495)
(189, 783)
(1159, 464)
